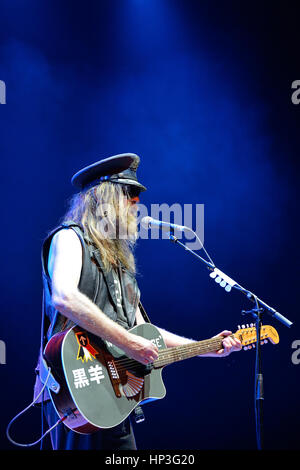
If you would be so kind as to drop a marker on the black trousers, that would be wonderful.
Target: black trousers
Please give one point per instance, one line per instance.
(120, 437)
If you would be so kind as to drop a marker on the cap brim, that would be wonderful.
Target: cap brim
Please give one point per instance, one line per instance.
(108, 166)
(130, 182)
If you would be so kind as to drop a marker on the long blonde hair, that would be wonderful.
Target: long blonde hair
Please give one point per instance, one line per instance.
(108, 222)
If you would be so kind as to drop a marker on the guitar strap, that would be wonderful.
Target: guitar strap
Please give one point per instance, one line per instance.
(144, 313)
(43, 369)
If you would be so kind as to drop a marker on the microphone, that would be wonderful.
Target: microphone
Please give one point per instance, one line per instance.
(149, 222)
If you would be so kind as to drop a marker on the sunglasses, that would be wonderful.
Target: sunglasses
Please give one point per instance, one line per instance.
(132, 191)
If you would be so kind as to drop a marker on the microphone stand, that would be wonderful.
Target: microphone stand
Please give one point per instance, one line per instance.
(225, 281)
(258, 390)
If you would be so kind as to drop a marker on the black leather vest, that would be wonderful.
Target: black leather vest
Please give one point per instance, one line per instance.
(116, 293)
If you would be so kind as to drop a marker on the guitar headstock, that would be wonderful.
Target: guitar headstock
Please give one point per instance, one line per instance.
(248, 337)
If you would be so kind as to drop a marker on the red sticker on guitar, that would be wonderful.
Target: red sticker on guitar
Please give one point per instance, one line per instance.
(85, 351)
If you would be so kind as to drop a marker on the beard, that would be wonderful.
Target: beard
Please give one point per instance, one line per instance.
(127, 229)
(123, 226)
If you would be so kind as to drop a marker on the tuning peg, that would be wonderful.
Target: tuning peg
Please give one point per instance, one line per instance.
(247, 325)
(243, 326)
(251, 325)
(253, 345)
(265, 341)
(239, 327)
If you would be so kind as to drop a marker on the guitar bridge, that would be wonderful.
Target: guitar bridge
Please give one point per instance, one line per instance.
(114, 375)
(123, 379)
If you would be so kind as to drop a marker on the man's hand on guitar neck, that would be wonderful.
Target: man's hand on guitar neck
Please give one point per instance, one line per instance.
(230, 344)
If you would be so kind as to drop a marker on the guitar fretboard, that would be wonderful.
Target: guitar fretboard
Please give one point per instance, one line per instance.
(179, 353)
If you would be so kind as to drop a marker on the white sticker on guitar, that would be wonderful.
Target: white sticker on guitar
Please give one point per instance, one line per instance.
(81, 380)
(96, 374)
(156, 341)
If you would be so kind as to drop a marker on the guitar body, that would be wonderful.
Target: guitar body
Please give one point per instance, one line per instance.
(99, 385)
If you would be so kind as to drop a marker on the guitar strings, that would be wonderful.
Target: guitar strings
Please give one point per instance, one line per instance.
(174, 353)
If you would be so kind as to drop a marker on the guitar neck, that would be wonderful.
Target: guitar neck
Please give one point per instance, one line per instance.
(179, 353)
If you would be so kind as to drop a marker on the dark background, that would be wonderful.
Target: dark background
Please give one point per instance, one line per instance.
(201, 90)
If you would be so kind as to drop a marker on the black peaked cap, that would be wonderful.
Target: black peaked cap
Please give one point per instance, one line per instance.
(117, 169)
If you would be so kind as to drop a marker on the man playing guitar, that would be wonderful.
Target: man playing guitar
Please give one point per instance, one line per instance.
(89, 281)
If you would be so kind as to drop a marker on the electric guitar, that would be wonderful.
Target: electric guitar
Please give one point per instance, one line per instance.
(99, 386)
